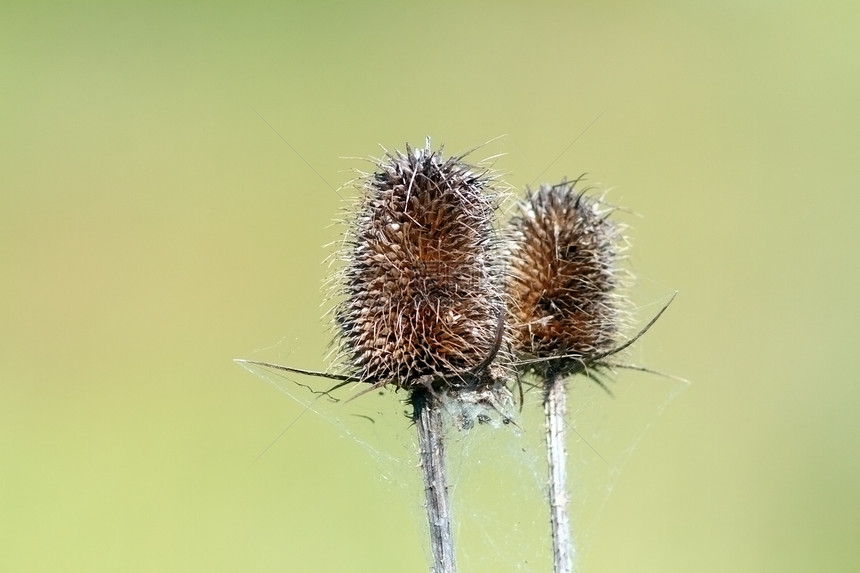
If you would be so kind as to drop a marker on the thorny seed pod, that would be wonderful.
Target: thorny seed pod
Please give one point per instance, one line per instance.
(422, 305)
(562, 279)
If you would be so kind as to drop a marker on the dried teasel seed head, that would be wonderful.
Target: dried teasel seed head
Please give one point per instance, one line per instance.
(562, 279)
(422, 304)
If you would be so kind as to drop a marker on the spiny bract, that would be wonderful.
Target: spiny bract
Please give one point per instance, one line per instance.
(561, 279)
(421, 300)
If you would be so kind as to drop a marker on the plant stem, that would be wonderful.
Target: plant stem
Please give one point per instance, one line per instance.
(431, 453)
(563, 551)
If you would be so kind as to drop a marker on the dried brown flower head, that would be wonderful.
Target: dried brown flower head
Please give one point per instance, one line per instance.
(421, 301)
(562, 279)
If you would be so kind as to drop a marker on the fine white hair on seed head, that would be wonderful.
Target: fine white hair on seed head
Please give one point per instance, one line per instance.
(420, 290)
(564, 280)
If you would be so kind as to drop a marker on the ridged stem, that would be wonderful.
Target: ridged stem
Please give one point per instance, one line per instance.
(431, 453)
(563, 550)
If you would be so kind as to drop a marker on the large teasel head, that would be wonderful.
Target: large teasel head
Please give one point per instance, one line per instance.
(421, 300)
(563, 278)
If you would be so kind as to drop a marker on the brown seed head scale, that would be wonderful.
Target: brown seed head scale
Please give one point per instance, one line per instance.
(562, 280)
(421, 301)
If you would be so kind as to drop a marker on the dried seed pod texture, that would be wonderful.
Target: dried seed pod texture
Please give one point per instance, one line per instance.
(421, 298)
(562, 278)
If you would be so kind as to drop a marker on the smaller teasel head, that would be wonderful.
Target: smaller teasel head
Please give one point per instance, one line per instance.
(422, 303)
(563, 278)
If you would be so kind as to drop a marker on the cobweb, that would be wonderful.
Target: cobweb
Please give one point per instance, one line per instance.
(497, 471)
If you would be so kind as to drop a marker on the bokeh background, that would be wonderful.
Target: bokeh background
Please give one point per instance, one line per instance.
(153, 227)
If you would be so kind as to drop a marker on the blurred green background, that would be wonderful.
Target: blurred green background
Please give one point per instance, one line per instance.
(153, 227)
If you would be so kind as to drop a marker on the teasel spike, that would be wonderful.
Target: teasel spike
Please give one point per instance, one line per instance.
(420, 294)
